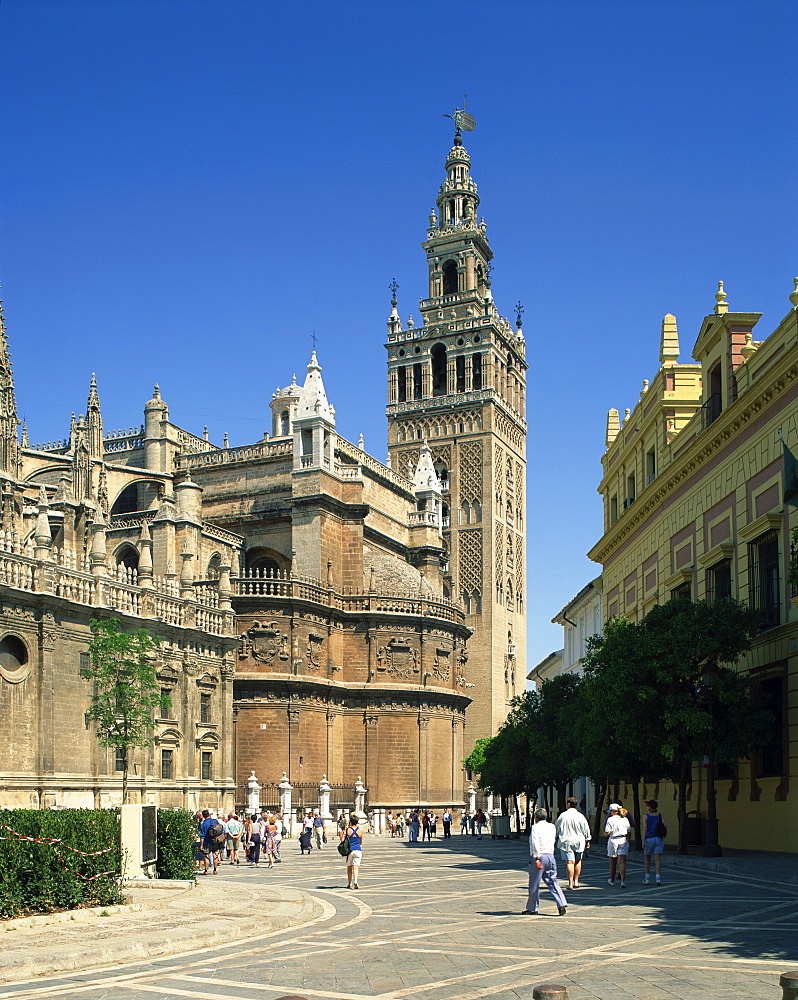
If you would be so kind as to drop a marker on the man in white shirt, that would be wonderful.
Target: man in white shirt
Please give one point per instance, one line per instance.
(543, 864)
(573, 839)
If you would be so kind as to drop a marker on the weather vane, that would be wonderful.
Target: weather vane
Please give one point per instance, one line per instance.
(393, 287)
(314, 338)
(462, 119)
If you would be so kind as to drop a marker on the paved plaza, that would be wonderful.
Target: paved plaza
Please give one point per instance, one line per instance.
(442, 920)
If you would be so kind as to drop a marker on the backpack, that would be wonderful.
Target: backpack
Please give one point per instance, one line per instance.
(661, 830)
(216, 832)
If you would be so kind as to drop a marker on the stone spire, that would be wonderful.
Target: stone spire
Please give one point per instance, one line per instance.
(394, 323)
(313, 399)
(425, 477)
(669, 340)
(94, 422)
(9, 443)
(722, 305)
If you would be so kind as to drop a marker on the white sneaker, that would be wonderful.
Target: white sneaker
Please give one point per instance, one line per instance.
(646, 880)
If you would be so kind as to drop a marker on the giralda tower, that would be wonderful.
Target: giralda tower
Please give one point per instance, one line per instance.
(458, 382)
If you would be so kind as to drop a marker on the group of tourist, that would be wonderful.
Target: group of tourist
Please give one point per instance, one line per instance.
(221, 839)
(571, 833)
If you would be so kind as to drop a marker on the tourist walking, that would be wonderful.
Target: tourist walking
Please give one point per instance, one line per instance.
(573, 837)
(414, 827)
(654, 832)
(480, 820)
(543, 864)
(425, 835)
(355, 856)
(617, 829)
(433, 825)
(463, 823)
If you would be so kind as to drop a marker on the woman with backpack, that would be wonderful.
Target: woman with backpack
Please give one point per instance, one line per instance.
(654, 834)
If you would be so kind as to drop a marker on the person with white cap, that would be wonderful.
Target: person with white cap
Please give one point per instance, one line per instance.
(617, 829)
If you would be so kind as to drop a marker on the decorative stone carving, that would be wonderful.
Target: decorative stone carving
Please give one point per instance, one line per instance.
(314, 650)
(441, 668)
(263, 643)
(398, 657)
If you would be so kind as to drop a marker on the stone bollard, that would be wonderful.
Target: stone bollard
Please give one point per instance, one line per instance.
(550, 992)
(788, 982)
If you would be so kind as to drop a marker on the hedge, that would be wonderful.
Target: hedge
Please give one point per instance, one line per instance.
(177, 829)
(39, 877)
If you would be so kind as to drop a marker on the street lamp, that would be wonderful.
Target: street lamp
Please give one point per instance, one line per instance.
(712, 848)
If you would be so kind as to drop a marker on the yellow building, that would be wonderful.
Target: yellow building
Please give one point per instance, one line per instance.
(693, 491)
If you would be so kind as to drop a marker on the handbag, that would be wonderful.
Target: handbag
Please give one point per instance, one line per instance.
(345, 848)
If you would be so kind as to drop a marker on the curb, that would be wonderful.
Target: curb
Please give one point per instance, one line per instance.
(24, 963)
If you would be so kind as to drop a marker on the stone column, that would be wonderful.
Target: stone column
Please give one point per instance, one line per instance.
(472, 799)
(285, 789)
(423, 762)
(360, 797)
(253, 794)
(324, 799)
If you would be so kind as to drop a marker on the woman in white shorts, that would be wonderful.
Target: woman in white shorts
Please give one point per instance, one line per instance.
(355, 855)
(617, 829)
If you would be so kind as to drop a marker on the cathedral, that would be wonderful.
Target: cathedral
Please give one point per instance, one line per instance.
(320, 615)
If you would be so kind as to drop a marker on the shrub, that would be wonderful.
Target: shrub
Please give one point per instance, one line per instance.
(42, 877)
(176, 832)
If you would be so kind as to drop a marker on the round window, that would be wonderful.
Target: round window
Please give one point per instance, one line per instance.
(417, 350)
(14, 665)
(477, 338)
(402, 353)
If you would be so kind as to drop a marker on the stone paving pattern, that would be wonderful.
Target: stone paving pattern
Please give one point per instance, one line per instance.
(441, 921)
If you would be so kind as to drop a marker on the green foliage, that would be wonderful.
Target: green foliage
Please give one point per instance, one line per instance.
(648, 710)
(475, 761)
(176, 832)
(41, 878)
(125, 690)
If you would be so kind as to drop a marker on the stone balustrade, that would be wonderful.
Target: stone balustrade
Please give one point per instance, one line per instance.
(70, 576)
(281, 585)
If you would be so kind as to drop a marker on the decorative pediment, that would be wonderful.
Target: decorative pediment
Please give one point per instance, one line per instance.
(207, 740)
(207, 682)
(169, 737)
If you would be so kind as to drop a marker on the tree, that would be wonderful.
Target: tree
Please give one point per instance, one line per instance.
(654, 673)
(475, 761)
(125, 688)
(621, 733)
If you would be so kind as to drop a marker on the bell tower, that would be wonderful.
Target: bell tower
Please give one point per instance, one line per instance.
(458, 383)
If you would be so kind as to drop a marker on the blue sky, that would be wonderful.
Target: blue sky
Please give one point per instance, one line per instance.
(190, 188)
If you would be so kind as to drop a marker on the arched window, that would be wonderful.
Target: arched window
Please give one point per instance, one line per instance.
(450, 277)
(442, 472)
(284, 427)
(214, 564)
(477, 603)
(127, 501)
(263, 566)
(439, 375)
(128, 557)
